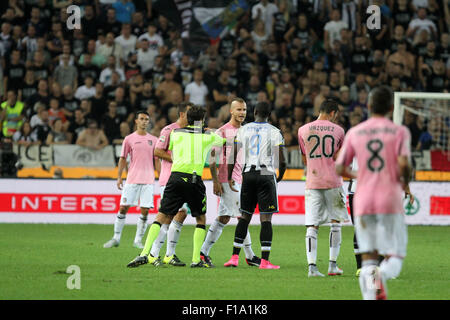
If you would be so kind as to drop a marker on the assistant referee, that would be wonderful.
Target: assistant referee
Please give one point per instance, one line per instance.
(190, 147)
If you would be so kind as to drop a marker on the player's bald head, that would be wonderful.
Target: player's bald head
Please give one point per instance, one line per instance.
(236, 102)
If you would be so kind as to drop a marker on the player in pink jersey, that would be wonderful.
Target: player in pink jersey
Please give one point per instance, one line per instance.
(171, 228)
(229, 200)
(319, 142)
(382, 150)
(138, 188)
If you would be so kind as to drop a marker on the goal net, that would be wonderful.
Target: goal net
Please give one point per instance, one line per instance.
(427, 115)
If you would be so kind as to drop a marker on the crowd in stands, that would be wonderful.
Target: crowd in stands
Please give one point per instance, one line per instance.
(83, 86)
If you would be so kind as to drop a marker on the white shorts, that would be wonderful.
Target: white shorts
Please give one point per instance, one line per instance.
(324, 205)
(385, 233)
(230, 201)
(134, 194)
(185, 206)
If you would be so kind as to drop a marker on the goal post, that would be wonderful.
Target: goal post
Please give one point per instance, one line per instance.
(428, 115)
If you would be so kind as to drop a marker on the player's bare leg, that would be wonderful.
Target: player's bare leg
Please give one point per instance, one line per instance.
(369, 278)
(140, 228)
(311, 250)
(173, 234)
(119, 223)
(335, 246)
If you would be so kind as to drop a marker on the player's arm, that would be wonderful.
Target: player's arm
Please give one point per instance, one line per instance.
(122, 165)
(163, 154)
(237, 147)
(217, 186)
(405, 171)
(157, 165)
(283, 165)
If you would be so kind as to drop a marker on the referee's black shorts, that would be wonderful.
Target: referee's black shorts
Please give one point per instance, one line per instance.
(258, 189)
(184, 188)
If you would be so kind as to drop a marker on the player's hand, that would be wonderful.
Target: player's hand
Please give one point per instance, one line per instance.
(218, 189)
(119, 183)
(231, 184)
(411, 197)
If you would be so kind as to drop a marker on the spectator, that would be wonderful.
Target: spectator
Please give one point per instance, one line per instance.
(259, 35)
(421, 23)
(132, 68)
(14, 72)
(265, 11)
(98, 101)
(89, 22)
(87, 90)
(77, 125)
(11, 114)
(95, 60)
(145, 56)
(125, 130)
(41, 71)
(55, 112)
(146, 97)
(402, 14)
(66, 75)
(110, 122)
(124, 10)
(154, 40)
(196, 91)
(57, 135)
(25, 136)
(357, 85)
(43, 128)
(28, 87)
(112, 48)
(332, 30)
(222, 93)
(302, 31)
(106, 74)
(126, 40)
(69, 102)
(111, 24)
(185, 72)
(92, 137)
(122, 103)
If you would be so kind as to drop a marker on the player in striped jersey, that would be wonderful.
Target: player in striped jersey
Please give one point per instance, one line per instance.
(262, 146)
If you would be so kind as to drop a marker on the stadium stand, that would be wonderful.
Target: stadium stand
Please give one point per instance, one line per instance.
(129, 55)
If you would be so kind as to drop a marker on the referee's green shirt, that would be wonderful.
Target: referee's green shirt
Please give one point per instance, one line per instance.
(190, 147)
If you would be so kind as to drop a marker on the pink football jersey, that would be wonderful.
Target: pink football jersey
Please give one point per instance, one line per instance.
(319, 141)
(229, 132)
(140, 148)
(163, 143)
(376, 143)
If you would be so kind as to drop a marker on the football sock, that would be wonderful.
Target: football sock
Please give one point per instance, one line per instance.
(172, 237)
(140, 228)
(214, 232)
(118, 226)
(335, 241)
(249, 254)
(391, 268)
(311, 245)
(239, 235)
(159, 241)
(199, 236)
(367, 279)
(151, 236)
(266, 239)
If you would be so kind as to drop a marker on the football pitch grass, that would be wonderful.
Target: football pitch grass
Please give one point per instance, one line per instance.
(34, 259)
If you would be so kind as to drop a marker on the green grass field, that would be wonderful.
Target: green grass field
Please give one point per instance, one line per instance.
(34, 259)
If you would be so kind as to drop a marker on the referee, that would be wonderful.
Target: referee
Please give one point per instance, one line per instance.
(263, 147)
(190, 147)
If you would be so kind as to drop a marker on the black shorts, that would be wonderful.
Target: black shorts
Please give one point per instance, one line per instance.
(258, 189)
(184, 188)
